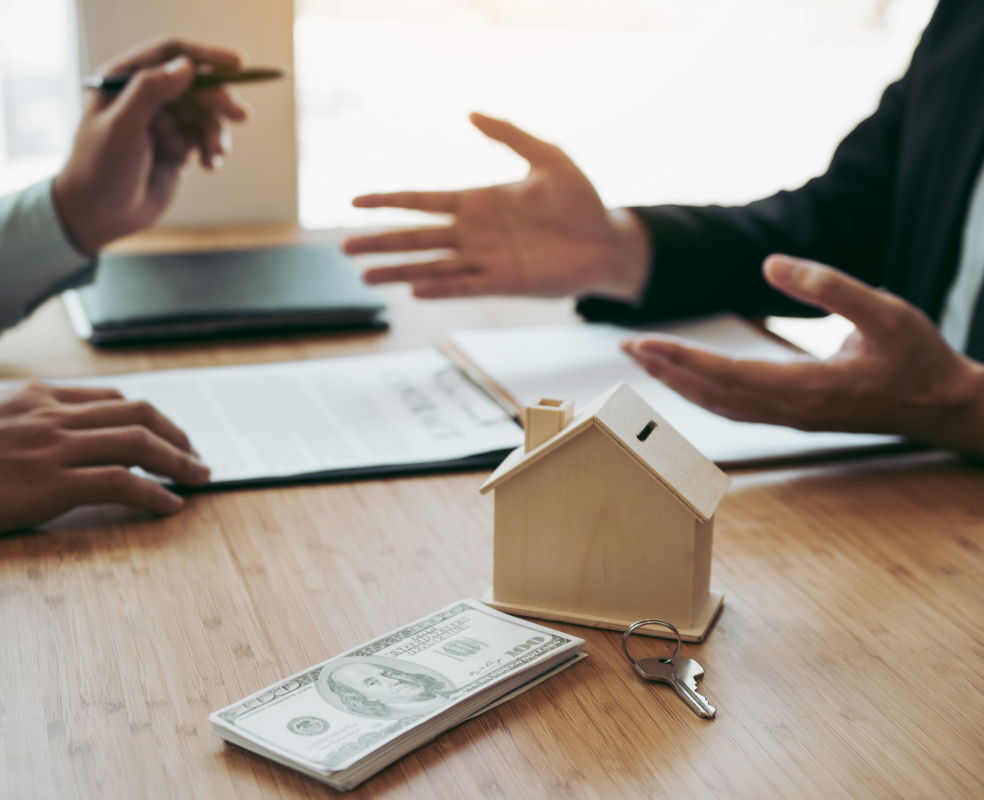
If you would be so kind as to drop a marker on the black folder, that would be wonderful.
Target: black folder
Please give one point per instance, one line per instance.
(190, 295)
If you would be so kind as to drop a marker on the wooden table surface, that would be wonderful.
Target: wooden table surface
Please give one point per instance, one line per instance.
(848, 660)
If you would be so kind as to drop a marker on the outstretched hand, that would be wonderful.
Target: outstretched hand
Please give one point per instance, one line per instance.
(129, 149)
(62, 447)
(548, 235)
(894, 374)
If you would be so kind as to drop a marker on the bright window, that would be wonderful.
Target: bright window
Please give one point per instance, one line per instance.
(657, 100)
(39, 96)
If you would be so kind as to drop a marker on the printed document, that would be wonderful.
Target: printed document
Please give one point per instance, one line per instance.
(339, 415)
(583, 361)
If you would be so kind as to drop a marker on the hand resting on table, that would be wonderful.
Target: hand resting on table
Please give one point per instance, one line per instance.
(61, 448)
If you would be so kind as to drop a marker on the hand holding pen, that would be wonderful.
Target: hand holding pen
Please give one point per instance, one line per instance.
(133, 140)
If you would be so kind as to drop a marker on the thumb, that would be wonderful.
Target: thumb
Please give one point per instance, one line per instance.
(150, 89)
(828, 288)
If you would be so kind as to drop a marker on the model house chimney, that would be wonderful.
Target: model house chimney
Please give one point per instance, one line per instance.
(545, 418)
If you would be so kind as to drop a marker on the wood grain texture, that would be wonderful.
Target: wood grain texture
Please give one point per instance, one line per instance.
(847, 662)
(665, 452)
(586, 530)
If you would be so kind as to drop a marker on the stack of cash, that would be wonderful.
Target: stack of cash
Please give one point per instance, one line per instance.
(344, 720)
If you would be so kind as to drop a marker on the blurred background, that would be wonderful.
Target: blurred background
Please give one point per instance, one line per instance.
(39, 94)
(658, 100)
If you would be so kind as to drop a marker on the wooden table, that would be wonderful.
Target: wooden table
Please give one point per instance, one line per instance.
(848, 661)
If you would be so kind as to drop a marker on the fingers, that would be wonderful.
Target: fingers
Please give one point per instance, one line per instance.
(172, 145)
(118, 485)
(123, 413)
(67, 394)
(742, 389)
(193, 123)
(134, 446)
(80, 394)
(433, 202)
(198, 111)
(534, 150)
(462, 284)
(212, 109)
(212, 141)
(448, 277)
(225, 103)
(132, 433)
(413, 273)
(714, 398)
(403, 241)
(149, 90)
(730, 373)
(873, 311)
(34, 395)
(158, 51)
(196, 120)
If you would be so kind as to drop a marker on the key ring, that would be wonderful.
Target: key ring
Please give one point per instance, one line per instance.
(639, 624)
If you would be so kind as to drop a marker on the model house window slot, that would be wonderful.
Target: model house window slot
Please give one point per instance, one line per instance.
(644, 433)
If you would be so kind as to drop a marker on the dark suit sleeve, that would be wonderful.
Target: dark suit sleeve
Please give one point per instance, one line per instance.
(709, 259)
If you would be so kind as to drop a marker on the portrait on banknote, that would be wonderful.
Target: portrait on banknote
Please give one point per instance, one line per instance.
(384, 688)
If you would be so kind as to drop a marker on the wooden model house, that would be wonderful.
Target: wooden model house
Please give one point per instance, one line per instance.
(606, 518)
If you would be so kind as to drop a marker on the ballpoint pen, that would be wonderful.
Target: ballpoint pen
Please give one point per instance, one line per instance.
(113, 84)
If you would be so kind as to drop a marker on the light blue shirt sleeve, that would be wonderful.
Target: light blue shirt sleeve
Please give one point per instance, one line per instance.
(37, 259)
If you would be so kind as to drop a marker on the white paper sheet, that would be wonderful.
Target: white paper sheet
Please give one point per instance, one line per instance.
(583, 361)
(306, 417)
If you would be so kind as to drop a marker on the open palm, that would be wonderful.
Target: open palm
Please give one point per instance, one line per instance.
(548, 235)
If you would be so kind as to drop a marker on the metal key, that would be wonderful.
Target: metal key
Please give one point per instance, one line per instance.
(680, 673)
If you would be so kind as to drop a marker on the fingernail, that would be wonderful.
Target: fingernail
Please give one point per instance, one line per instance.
(650, 349)
(789, 270)
(643, 345)
(244, 105)
(225, 139)
(176, 64)
(217, 162)
(174, 503)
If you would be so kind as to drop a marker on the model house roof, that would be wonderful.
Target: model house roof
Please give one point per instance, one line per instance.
(631, 423)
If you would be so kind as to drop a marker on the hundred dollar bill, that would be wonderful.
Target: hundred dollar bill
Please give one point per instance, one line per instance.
(345, 719)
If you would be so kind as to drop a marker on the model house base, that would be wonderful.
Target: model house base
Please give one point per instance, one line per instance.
(705, 619)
